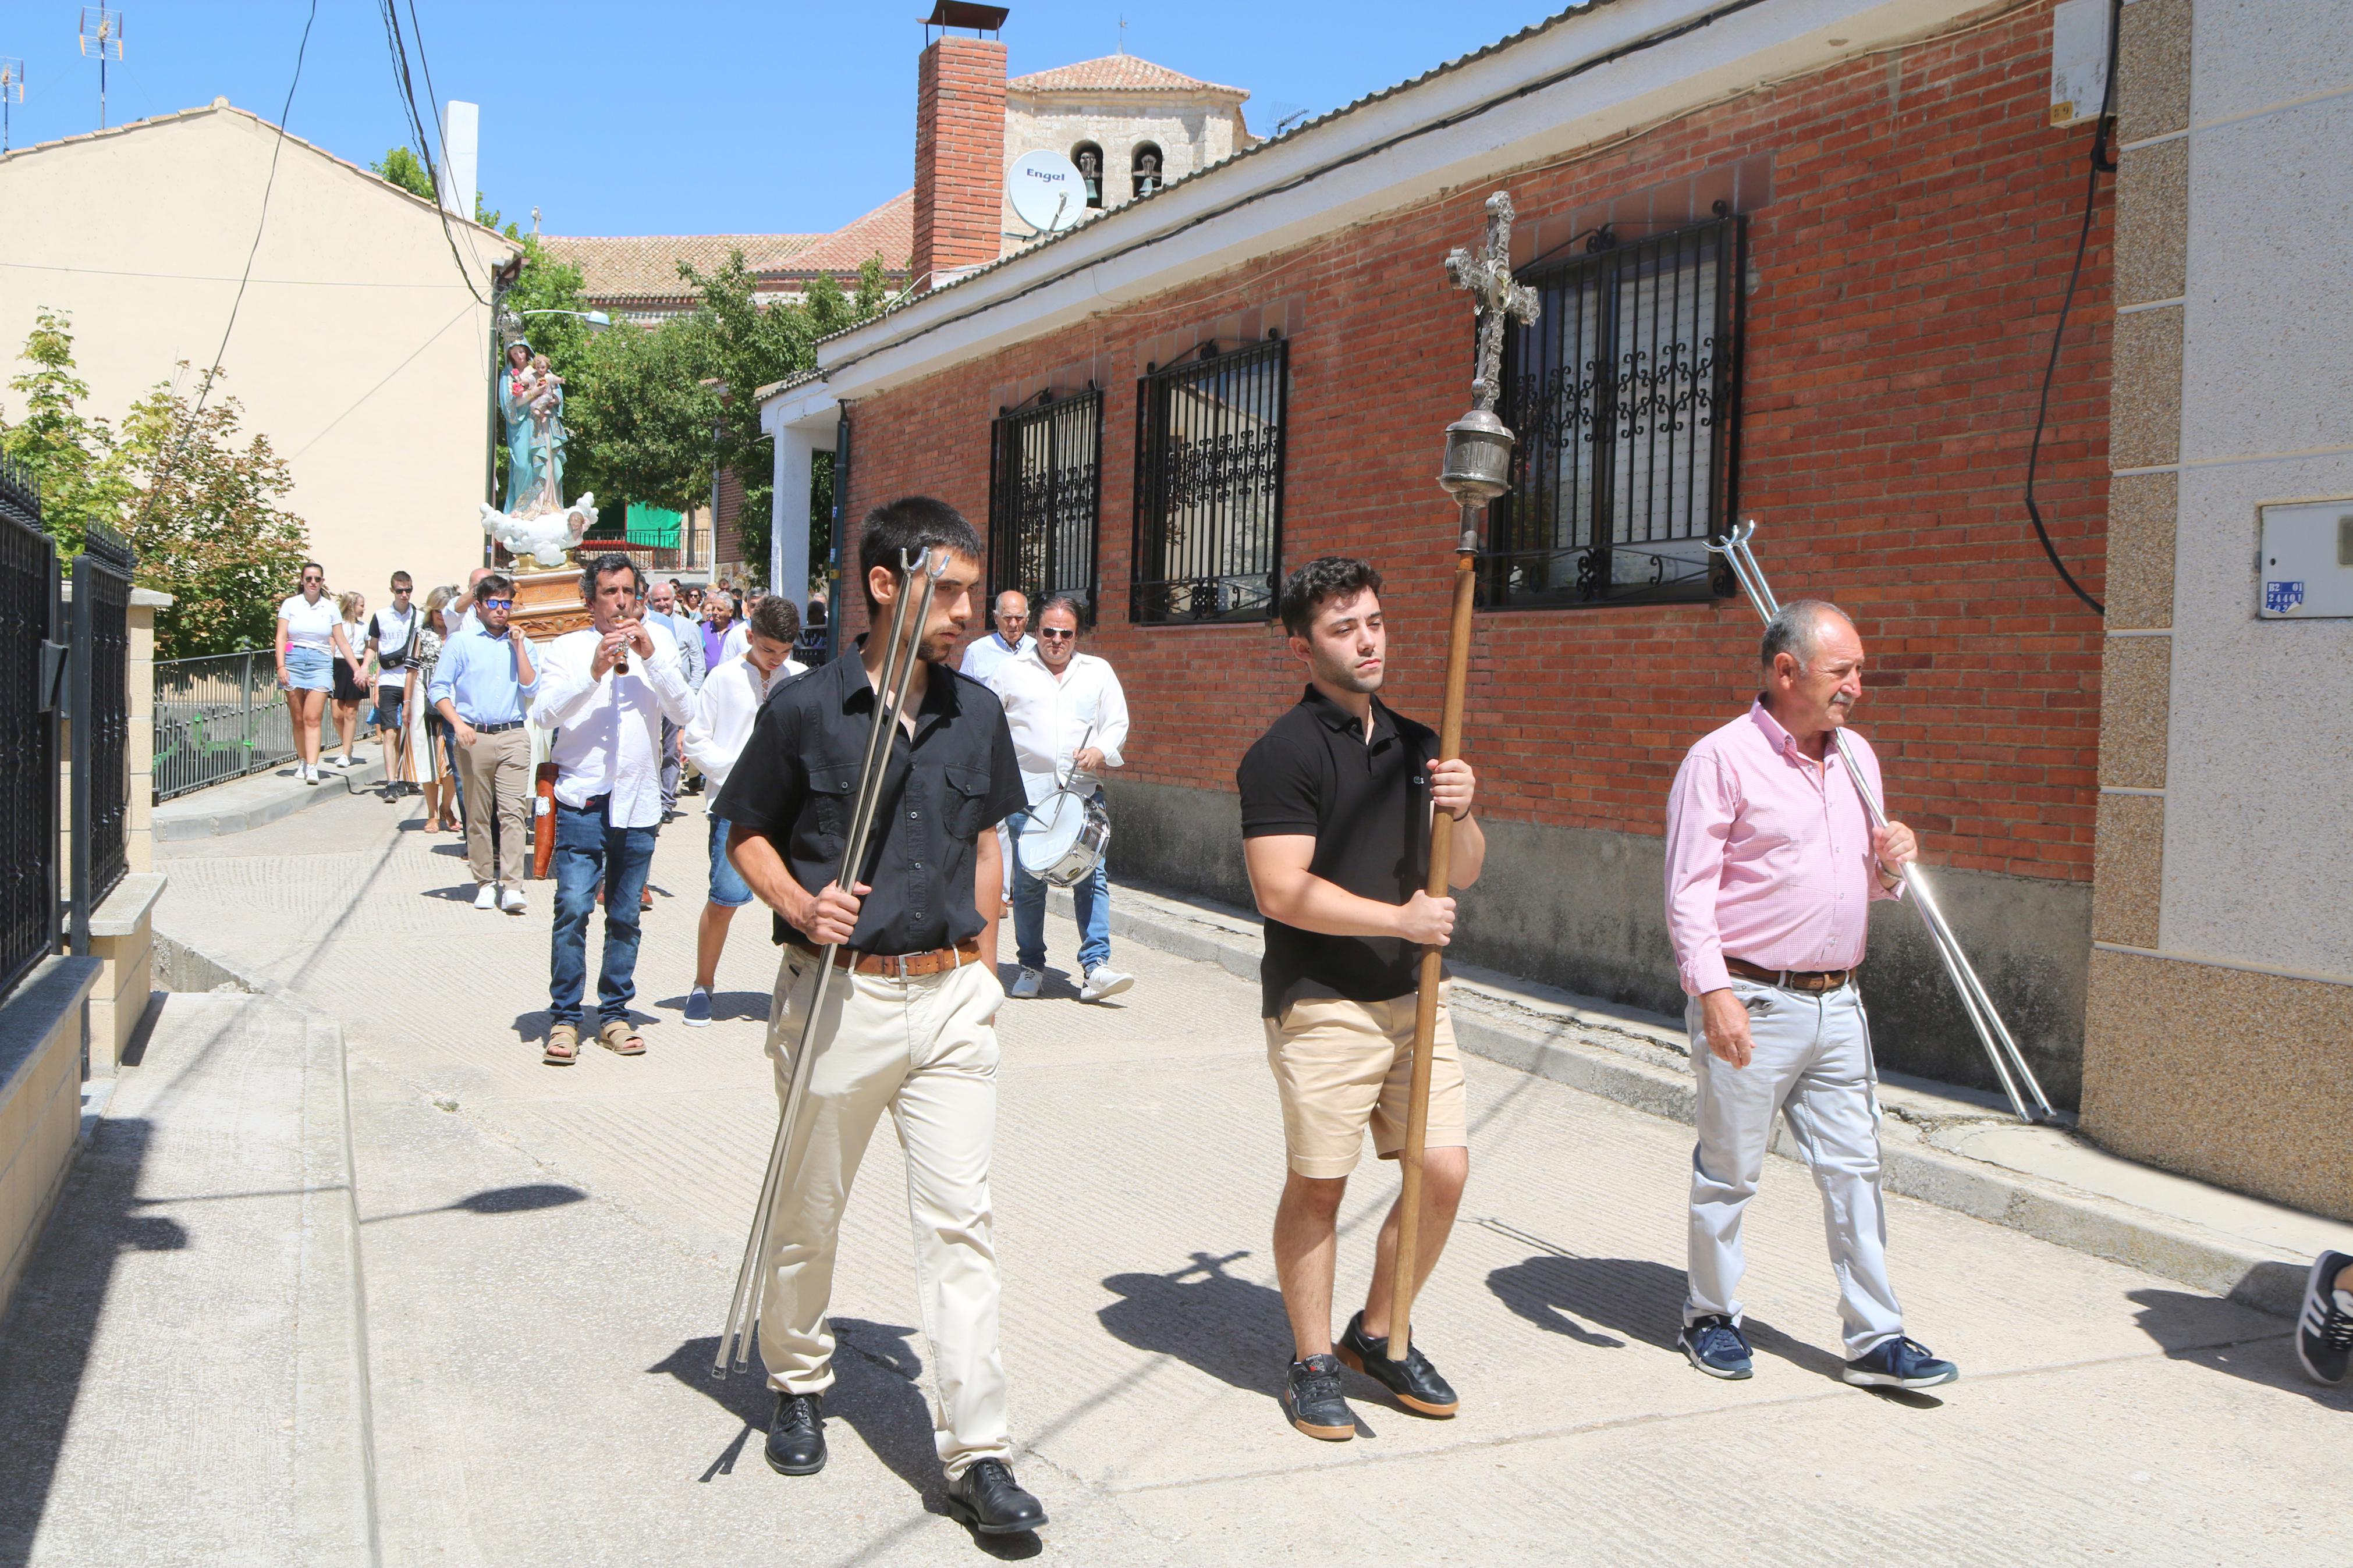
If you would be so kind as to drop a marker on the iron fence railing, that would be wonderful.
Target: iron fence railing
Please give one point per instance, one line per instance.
(31, 657)
(218, 717)
(1045, 484)
(101, 710)
(1624, 393)
(1208, 491)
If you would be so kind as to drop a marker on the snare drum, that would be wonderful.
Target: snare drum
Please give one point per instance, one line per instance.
(1064, 839)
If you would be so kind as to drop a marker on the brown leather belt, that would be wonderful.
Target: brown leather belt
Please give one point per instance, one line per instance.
(899, 966)
(1809, 980)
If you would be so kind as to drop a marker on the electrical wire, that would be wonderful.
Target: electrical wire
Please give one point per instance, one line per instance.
(2102, 163)
(204, 390)
(404, 87)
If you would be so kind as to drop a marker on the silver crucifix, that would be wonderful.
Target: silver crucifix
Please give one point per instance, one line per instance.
(1478, 446)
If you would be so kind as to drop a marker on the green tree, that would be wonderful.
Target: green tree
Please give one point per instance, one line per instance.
(406, 170)
(202, 506)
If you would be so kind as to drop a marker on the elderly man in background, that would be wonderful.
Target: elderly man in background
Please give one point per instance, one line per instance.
(730, 700)
(1070, 720)
(662, 600)
(605, 690)
(1772, 866)
(1009, 640)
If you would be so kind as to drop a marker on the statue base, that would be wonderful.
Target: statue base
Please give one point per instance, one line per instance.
(547, 604)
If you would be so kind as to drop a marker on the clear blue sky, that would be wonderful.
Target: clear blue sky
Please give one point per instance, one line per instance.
(687, 116)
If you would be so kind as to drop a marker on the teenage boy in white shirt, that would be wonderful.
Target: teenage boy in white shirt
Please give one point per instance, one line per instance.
(391, 633)
(732, 697)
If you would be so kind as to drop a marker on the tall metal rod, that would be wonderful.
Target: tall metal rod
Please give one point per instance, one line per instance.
(2010, 1065)
(901, 650)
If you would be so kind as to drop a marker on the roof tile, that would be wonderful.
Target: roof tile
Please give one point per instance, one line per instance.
(1116, 73)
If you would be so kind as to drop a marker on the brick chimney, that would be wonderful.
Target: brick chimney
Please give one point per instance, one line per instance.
(959, 157)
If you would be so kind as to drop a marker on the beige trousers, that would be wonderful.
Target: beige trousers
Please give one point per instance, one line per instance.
(925, 1051)
(498, 785)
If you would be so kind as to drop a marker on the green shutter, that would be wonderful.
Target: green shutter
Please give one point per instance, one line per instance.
(652, 525)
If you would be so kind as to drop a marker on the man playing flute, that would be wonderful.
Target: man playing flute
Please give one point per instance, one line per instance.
(1772, 866)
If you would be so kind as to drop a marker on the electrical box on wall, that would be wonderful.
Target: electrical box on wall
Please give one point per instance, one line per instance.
(2306, 570)
(2079, 60)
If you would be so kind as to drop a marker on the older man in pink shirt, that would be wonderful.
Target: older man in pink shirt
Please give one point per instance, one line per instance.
(1772, 867)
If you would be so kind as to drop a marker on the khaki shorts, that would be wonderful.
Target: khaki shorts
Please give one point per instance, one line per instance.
(1341, 1065)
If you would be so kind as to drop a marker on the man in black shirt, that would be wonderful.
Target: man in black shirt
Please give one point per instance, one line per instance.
(1337, 799)
(910, 1027)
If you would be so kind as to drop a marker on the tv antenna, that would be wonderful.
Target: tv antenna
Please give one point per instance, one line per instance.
(11, 90)
(101, 35)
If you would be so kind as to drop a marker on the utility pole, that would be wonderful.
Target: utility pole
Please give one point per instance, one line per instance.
(102, 36)
(11, 90)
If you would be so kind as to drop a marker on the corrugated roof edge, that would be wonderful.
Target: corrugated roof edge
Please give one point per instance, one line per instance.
(131, 125)
(798, 378)
(1032, 248)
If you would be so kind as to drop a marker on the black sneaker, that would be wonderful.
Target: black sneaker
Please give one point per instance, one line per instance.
(988, 1499)
(1717, 1347)
(797, 1436)
(1312, 1399)
(1414, 1380)
(1899, 1362)
(2324, 1329)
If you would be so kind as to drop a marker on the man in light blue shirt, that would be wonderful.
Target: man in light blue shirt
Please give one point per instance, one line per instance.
(1009, 640)
(483, 687)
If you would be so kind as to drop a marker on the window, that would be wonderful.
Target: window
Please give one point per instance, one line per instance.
(1089, 159)
(1044, 484)
(1208, 489)
(1145, 168)
(1624, 393)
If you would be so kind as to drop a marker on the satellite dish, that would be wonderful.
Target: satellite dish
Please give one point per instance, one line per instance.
(1046, 191)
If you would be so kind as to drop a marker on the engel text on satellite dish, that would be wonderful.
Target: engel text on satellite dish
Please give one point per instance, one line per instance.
(1046, 191)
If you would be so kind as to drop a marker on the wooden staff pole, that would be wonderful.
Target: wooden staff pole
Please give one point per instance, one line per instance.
(1403, 1282)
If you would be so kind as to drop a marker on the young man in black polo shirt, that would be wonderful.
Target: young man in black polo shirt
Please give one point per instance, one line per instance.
(1336, 804)
(909, 1028)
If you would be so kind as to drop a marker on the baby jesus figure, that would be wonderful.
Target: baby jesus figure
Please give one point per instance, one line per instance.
(547, 395)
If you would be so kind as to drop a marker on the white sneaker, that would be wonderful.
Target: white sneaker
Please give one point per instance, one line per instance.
(511, 900)
(343, 761)
(1104, 981)
(486, 896)
(1025, 986)
(307, 773)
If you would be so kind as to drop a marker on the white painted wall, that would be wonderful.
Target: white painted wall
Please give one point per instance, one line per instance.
(358, 350)
(2259, 773)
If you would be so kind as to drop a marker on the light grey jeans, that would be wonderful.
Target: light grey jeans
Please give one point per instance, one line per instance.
(1813, 1063)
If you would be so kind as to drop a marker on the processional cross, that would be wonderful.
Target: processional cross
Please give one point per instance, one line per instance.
(1487, 276)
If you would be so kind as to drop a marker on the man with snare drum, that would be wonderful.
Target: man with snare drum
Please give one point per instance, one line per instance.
(1070, 720)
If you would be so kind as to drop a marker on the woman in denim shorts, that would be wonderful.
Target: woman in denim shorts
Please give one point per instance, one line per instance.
(306, 657)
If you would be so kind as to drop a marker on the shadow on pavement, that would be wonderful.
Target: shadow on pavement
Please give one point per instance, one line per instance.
(52, 1322)
(1631, 1295)
(2182, 1323)
(726, 1005)
(496, 1200)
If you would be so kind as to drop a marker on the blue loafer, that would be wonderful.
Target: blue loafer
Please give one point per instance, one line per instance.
(1899, 1362)
(698, 1008)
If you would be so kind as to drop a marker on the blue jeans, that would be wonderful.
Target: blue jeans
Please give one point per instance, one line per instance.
(588, 850)
(727, 884)
(1092, 897)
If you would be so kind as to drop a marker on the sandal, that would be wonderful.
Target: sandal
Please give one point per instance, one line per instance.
(563, 1046)
(621, 1039)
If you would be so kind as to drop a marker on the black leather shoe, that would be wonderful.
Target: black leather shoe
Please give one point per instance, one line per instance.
(991, 1501)
(1414, 1380)
(1312, 1399)
(797, 1436)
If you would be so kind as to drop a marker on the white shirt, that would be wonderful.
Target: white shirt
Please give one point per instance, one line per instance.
(730, 700)
(608, 739)
(982, 658)
(737, 641)
(309, 625)
(1052, 718)
(391, 631)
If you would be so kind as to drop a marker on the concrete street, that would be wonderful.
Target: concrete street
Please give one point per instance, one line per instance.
(547, 1254)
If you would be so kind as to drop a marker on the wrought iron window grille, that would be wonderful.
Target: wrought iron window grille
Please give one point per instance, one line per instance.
(1045, 491)
(1210, 437)
(1624, 393)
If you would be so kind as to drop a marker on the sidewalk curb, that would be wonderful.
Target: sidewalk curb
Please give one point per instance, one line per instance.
(335, 1434)
(1630, 1071)
(242, 804)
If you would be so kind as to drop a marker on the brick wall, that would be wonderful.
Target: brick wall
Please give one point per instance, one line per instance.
(959, 154)
(1905, 276)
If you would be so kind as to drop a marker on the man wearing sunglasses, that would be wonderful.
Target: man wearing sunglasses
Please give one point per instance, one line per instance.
(482, 688)
(1070, 720)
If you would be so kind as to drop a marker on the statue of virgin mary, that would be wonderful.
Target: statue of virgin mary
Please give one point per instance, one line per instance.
(531, 401)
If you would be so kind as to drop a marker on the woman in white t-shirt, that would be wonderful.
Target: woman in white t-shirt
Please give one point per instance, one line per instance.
(306, 659)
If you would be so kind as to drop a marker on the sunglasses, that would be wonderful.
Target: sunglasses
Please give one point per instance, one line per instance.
(498, 603)
(1052, 633)
(312, 577)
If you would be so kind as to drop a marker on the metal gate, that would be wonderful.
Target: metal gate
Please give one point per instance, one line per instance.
(31, 656)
